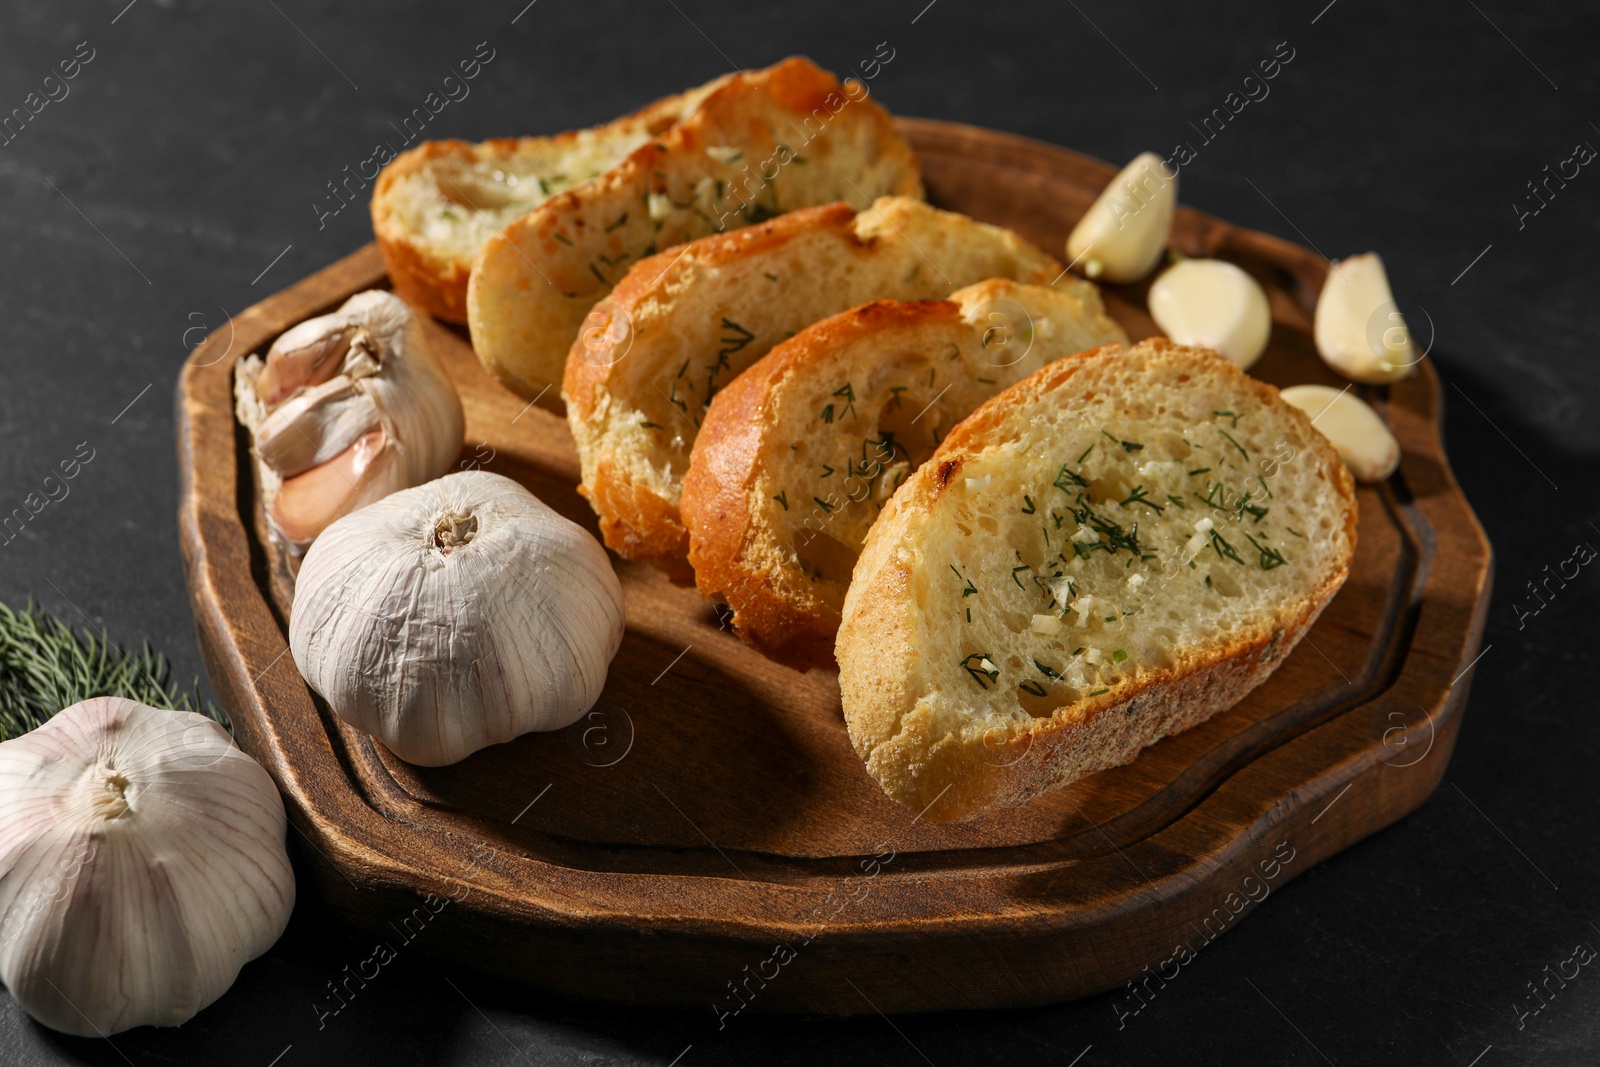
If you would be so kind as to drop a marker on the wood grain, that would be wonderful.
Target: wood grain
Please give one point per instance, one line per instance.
(706, 837)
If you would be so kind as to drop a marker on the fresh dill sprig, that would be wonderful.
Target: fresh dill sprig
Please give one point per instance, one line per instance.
(1127, 446)
(1223, 550)
(46, 666)
(1235, 444)
(1066, 479)
(734, 337)
(1270, 557)
(1138, 497)
(984, 672)
(968, 589)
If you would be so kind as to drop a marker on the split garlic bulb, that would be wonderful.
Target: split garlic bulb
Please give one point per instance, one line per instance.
(347, 408)
(142, 864)
(454, 616)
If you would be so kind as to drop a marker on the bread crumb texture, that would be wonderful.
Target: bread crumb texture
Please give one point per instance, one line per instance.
(436, 205)
(849, 407)
(754, 148)
(1112, 550)
(701, 315)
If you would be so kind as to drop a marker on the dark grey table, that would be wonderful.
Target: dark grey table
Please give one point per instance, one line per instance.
(184, 175)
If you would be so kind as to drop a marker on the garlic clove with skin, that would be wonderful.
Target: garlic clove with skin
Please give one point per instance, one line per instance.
(1213, 304)
(454, 616)
(1356, 432)
(305, 356)
(307, 503)
(315, 350)
(1358, 329)
(1123, 234)
(347, 408)
(315, 426)
(142, 863)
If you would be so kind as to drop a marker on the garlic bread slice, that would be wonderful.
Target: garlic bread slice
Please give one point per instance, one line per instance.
(434, 205)
(684, 324)
(760, 144)
(1110, 551)
(799, 454)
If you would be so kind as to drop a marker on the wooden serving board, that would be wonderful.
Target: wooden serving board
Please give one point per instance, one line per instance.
(707, 837)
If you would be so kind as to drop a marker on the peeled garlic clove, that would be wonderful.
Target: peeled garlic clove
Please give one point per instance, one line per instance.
(1123, 234)
(142, 863)
(1358, 328)
(1352, 427)
(308, 503)
(309, 354)
(1213, 304)
(456, 615)
(387, 380)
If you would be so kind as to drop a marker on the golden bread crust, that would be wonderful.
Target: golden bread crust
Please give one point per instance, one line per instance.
(534, 284)
(911, 370)
(433, 278)
(900, 721)
(685, 323)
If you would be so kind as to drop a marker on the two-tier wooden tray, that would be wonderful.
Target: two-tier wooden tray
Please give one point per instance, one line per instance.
(707, 837)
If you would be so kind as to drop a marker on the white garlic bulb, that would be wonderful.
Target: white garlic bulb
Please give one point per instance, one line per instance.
(454, 616)
(346, 408)
(142, 863)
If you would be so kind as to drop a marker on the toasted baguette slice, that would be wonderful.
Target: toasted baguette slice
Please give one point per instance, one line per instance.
(434, 205)
(1022, 614)
(685, 323)
(760, 144)
(799, 454)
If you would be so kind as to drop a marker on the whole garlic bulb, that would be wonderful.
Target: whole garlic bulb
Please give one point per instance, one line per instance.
(142, 864)
(454, 616)
(346, 408)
